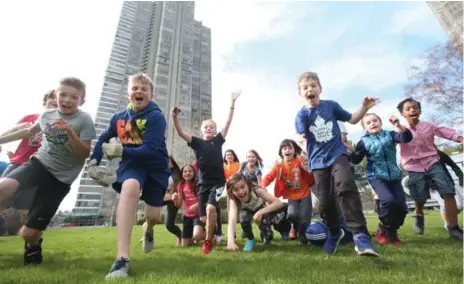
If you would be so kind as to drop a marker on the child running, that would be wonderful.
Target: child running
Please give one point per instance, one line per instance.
(379, 147)
(170, 200)
(297, 182)
(251, 169)
(422, 163)
(22, 199)
(250, 200)
(143, 172)
(193, 229)
(67, 134)
(316, 123)
(211, 179)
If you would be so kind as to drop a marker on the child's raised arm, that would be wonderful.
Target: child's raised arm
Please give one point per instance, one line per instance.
(270, 177)
(231, 114)
(187, 137)
(231, 227)
(448, 133)
(403, 135)
(368, 102)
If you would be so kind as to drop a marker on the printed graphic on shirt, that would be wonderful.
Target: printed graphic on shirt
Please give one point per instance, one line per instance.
(35, 140)
(219, 193)
(294, 181)
(131, 131)
(322, 130)
(54, 135)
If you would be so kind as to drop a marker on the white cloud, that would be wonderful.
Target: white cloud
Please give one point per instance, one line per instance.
(418, 19)
(371, 66)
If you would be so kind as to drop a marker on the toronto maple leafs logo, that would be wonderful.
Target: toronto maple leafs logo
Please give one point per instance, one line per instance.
(54, 135)
(322, 130)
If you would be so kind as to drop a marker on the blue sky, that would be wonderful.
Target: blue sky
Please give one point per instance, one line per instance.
(358, 49)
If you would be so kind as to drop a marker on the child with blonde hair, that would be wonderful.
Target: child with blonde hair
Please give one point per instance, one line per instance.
(379, 147)
(211, 179)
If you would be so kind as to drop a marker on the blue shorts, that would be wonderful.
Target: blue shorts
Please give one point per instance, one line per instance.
(419, 183)
(153, 185)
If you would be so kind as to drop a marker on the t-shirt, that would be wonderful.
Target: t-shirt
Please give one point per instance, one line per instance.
(254, 204)
(296, 180)
(230, 170)
(319, 125)
(27, 146)
(209, 158)
(190, 198)
(57, 154)
(251, 175)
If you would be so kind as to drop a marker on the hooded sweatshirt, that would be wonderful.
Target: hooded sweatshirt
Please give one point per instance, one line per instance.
(142, 134)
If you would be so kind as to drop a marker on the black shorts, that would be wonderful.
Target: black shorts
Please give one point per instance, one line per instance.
(189, 224)
(23, 197)
(50, 192)
(208, 194)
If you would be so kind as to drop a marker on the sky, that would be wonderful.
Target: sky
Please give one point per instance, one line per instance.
(358, 49)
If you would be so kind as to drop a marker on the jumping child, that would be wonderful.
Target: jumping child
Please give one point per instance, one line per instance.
(211, 179)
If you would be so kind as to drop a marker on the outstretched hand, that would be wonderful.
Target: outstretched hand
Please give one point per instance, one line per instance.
(232, 248)
(369, 102)
(235, 96)
(394, 120)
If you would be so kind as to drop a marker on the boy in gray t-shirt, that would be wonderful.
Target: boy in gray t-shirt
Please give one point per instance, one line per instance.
(67, 134)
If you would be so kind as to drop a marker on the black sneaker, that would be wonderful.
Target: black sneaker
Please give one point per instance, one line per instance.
(455, 232)
(418, 224)
(33, 254)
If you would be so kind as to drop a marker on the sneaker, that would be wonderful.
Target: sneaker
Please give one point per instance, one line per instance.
(394, 239)
(363, 245)
(33, 254)
(382, 236)
(292, 234)
(219, 238)
(285, 236)
(418, 224)
(147, 241)
(455, 232)
(249, 245)
(330, 245)
(119, 269)
(348, 238)
(207, 247)
(267, 241)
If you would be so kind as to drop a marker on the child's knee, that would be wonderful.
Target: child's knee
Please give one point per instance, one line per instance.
(210, 210)
(29, 234)
(130, 189)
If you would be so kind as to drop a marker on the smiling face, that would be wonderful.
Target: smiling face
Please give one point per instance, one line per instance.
(251, 158)
(288, 152)
(241, 191)
(411, 111)
(208, 129)
(188, 173)
(372, 123)
(229, 157)
(140, 93)
(68, 99)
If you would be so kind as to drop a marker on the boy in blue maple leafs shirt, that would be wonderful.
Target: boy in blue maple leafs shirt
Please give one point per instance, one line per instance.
(316, 123)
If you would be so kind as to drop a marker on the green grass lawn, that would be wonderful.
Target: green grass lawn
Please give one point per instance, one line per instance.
(85, 256)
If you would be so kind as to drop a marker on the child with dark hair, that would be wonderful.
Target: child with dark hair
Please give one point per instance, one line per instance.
(170, 199)
(422, 162)
(293, 182)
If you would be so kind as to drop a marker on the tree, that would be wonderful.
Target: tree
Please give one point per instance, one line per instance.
(438, 81)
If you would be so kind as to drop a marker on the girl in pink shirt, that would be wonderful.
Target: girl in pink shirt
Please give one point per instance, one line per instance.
(193, 229)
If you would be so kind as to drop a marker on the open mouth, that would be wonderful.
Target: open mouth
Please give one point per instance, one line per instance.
(139, 99)
(311, 96)
(65, 107)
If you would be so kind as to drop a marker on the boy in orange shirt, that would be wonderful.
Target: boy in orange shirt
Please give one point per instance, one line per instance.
(293, 182)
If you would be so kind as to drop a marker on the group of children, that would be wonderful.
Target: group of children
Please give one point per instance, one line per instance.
(146, 172)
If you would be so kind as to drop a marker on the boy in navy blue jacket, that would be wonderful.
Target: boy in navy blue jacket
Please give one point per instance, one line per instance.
(144, 166)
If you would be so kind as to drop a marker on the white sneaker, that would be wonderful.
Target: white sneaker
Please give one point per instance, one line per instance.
(119, 269)
(219, 238)
(148, 241)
